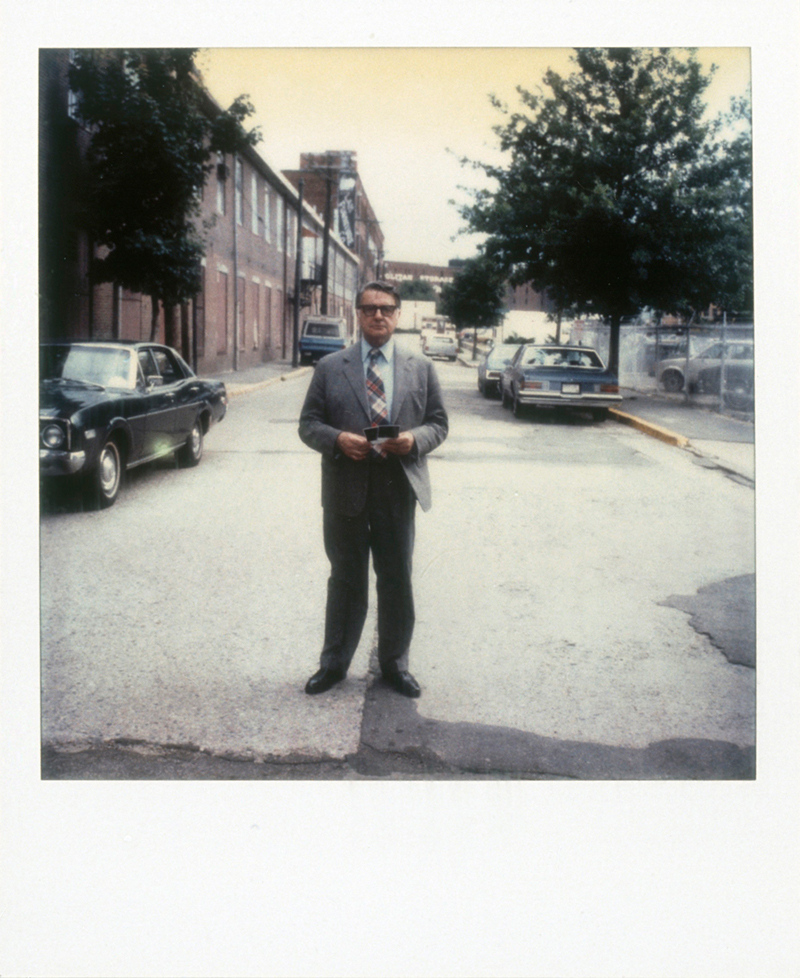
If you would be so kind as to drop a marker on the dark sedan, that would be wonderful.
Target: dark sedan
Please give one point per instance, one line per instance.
(105, 407)
(559, 376)
(492, 365)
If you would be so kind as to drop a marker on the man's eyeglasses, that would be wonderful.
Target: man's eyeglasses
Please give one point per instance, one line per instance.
(383, 310)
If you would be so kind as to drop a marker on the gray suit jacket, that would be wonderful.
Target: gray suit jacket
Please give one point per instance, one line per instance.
(337, 401)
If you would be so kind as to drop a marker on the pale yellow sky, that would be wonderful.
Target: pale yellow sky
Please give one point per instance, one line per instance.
(402, 109)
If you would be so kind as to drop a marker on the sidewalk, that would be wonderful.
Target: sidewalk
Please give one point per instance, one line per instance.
(254, 378)
(725, 442)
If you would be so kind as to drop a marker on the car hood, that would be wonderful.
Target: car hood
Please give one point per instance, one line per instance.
(64, 400)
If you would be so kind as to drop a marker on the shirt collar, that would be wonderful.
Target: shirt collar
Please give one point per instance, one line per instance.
(387, 349)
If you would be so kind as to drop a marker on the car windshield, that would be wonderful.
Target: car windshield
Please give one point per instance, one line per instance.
(555, 357)
(734, 351)
(103, 366)
(322, 329)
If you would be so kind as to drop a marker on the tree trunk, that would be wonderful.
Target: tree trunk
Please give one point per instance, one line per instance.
(613, 345)
(153, 318)
(172, 328)
(186, 343)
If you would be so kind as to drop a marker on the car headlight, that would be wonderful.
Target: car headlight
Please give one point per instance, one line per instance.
(53, 436)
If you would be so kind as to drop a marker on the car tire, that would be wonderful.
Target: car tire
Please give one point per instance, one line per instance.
(672, 381)
(190, 454)
(105, 479)
(600, 414)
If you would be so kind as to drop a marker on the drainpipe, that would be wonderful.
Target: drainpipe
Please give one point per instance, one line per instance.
(298, 272)
(326, 238)
(235, 272)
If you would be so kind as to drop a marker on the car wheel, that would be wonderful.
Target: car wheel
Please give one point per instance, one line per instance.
(672, 381)
(600, 414)
(190, 454)
(104, 481)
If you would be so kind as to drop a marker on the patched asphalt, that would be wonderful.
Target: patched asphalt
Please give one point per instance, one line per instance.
(726, 613)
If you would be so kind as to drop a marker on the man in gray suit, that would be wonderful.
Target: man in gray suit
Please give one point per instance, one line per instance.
(369, 493)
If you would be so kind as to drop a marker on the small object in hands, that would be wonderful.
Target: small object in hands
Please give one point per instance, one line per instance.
(378, 433)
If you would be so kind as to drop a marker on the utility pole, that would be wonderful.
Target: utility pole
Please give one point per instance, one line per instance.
(298, 273)
(326, 237)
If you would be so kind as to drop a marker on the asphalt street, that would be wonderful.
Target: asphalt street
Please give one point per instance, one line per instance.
(584, 609)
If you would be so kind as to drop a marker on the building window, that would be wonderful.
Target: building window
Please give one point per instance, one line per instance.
(222, 314)
(254, 199)
(279, 222)
(241, 319)
(220, 183)
(267, 316)
(291, 242)
(239, 177)
(267, 205)
(256, 311)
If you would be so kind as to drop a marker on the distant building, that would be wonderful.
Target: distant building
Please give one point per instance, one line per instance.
(244, 313)
(406, 271)
(332, 179)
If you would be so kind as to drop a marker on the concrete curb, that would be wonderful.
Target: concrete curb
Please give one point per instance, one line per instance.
(247, 388)
(679, 441)
(654, 430)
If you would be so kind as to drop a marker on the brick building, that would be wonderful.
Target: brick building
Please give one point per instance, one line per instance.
(251, 211)
(331, 180)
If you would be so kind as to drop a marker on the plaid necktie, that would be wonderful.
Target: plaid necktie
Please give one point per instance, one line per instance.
(376, 395)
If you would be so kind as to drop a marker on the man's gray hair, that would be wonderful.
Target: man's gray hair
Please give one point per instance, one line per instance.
(379, 286)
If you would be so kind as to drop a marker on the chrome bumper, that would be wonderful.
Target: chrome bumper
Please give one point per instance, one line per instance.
(569, 400)
(60, 463)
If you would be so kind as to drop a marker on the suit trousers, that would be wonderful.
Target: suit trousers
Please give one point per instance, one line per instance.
(386, 528)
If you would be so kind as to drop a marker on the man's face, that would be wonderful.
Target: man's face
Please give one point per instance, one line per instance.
(378, 327)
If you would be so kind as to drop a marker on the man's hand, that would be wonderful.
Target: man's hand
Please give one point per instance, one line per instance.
(353, 446)
(401, 445)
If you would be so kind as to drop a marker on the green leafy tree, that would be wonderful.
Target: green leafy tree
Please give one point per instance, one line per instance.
(155, 136)
(417, 290)
(618, 195)
(476, 297)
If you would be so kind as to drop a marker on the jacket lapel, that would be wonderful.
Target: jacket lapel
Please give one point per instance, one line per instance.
(402, 382)
(354, 371)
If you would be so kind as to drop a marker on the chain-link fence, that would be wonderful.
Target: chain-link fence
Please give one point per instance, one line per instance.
(711, 366)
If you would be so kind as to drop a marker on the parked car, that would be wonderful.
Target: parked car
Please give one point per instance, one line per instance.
(105, 407)
(440, 346)
(559, 376)
(492, 365)
(704, 369)
(320, 336)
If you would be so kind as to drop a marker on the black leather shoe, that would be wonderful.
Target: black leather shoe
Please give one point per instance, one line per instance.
(403, 682)
(324, 679)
